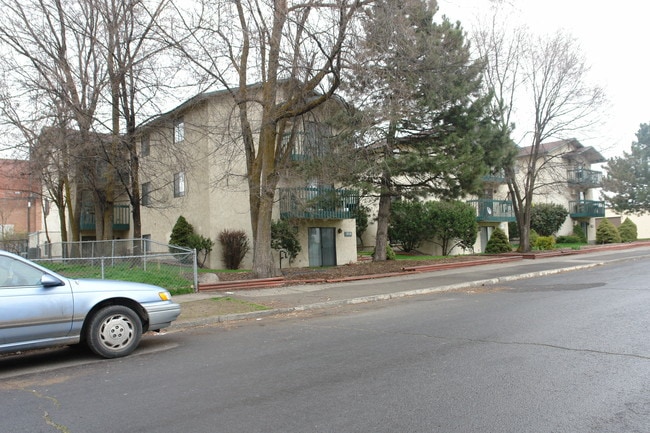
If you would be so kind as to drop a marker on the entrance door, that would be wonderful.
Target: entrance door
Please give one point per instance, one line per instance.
(322, 246)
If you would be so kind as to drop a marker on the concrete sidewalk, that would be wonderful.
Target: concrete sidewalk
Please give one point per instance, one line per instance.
(296, 298)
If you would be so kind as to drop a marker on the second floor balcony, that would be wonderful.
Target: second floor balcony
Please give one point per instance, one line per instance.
(586, 209)
(121, 217)
(489, 210)
(584, 178)
(318, 203)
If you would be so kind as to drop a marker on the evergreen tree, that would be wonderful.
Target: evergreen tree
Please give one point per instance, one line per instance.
(607, 233)
(181, 233)
(628, 231)
(498, 243)
(627, 184)
(423, 117)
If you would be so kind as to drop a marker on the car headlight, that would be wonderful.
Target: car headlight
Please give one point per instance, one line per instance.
(165, 296)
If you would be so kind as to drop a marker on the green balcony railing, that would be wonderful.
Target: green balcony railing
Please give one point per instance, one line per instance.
(586, 209)
(585, 178)
(121, 217)
(488, 210)
(318, 203)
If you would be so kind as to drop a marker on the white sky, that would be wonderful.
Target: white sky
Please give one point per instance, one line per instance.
(615, 38)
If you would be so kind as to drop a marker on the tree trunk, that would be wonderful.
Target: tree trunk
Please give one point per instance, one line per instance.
(263, 265)
(381, 239)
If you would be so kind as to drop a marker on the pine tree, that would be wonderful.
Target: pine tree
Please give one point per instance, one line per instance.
(607, 233)
(627, 184)
(628, 231)
(498, 243)
(425, 122)
(181, 233)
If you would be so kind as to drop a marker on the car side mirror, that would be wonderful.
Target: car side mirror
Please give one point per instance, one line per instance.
(48, 280)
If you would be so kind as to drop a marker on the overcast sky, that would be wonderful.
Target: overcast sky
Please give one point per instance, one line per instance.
(615, 38)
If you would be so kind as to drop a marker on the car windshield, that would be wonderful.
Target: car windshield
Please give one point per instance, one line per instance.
(16, 273)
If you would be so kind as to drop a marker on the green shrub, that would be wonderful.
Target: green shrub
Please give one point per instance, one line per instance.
(361, 216)
(571, 239)
(183, 235)
(532, 238)
(580, 233)
(547, 218)
(409, 224)
(606, 233)
(452, 223)
(283, 238)
(390, 253)
(203, 247)
(498, 243)
(234, 247)
(545, 243)
(628, 231)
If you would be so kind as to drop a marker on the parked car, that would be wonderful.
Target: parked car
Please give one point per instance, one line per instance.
(40, 308)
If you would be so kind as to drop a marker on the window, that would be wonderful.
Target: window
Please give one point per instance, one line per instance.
(179, 130)
(144, 145)
(179, 184)
(146, 194)
(15, 273)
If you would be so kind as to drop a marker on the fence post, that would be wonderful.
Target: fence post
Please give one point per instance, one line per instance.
(102, 266)
(196, 273)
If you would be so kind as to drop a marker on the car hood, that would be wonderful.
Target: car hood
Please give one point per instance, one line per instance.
(93, 285)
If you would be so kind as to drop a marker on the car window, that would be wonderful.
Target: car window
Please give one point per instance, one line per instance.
(16, 273)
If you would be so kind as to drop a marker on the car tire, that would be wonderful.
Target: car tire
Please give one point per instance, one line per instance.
(114, 331)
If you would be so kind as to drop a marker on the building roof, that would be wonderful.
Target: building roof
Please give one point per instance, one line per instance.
(589, 153)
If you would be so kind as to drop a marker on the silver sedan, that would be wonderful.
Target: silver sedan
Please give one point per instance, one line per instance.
(39, 308)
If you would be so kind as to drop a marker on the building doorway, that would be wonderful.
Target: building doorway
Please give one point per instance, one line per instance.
(322, 246)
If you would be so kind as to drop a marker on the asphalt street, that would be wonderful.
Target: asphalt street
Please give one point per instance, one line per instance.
(564, 352)
(319, 296)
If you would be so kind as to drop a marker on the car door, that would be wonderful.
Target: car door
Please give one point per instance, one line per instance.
(30, 311)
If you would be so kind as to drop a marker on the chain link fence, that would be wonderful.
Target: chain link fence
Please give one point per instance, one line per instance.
(138, 260)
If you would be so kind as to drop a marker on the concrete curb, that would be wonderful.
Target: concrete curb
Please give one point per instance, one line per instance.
(177, 326)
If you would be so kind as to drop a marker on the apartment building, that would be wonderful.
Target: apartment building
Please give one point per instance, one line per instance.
(193, 165)
(565, 176)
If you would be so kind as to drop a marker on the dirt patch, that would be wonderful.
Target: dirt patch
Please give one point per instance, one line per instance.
(365, 267)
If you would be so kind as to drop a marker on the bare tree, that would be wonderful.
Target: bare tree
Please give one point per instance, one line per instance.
(55, 56)
(93, 63)
(546, 76)
(132, 50)
(294, 53)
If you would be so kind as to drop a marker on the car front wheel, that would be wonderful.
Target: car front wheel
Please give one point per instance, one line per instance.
(114, 331)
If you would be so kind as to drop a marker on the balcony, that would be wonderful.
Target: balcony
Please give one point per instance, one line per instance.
(586, 209)
(318, 203)
(488, 210)
(121, 217)
(584, 178)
